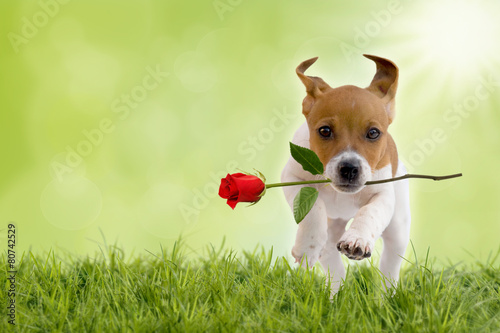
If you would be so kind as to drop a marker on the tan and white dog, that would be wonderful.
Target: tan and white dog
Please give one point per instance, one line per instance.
(347, 128)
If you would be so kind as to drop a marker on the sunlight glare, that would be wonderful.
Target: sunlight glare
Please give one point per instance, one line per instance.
(459, 34)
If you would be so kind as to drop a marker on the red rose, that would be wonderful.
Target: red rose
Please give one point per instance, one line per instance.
(240, 187)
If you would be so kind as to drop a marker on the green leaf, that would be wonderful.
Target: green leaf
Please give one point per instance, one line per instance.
(307, 158)
(303, 202)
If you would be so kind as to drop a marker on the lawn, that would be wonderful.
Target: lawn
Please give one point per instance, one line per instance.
(225, 291)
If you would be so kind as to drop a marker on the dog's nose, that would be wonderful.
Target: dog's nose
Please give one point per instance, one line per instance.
(349, 170)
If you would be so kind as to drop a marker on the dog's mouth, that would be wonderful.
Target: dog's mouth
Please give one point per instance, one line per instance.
(347, 188)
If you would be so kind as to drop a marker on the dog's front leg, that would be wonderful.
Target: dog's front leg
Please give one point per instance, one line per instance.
(311, 236)
(312, 232)
(330, 258)
(371, 220)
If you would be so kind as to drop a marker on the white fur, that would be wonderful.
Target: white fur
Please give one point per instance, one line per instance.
(381, 210)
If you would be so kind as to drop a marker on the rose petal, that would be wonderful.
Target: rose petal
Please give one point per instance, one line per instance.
(228, 187)
(249, 187)
(232, 202)
(224, 189)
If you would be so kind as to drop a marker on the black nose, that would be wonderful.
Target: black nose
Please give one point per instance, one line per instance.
(349, 170)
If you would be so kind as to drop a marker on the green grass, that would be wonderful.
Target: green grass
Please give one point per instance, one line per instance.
(223, 291)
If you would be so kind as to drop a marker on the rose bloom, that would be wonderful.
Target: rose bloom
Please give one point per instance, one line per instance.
(240, 187)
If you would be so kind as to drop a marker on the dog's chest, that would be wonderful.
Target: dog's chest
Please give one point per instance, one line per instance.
(340, 205)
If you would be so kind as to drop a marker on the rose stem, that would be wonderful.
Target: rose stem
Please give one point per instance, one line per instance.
(299, 183)
(413, 176)
(367, 183)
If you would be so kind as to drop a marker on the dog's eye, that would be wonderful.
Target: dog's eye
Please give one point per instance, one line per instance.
(373, 133)
(325, 131)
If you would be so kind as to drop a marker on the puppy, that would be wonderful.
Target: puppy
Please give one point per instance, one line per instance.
(347, 128)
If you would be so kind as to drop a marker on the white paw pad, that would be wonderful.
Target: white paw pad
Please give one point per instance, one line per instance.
(355, 247)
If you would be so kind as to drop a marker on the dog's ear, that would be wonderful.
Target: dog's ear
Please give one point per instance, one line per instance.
(315, 86)
(385, 83)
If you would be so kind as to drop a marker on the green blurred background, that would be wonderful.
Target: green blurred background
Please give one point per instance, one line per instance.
(121, 117)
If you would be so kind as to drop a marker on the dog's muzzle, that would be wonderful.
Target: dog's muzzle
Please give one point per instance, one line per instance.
(348, 171)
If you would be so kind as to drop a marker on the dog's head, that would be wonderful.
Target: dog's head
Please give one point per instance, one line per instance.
(348, 125)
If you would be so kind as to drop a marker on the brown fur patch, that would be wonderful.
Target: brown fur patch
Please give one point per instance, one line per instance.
(351, 111)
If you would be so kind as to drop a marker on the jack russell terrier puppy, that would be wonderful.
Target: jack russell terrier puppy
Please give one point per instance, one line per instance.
(347, 128)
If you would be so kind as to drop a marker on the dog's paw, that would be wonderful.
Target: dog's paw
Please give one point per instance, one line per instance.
(306, 256)
(355, 246)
